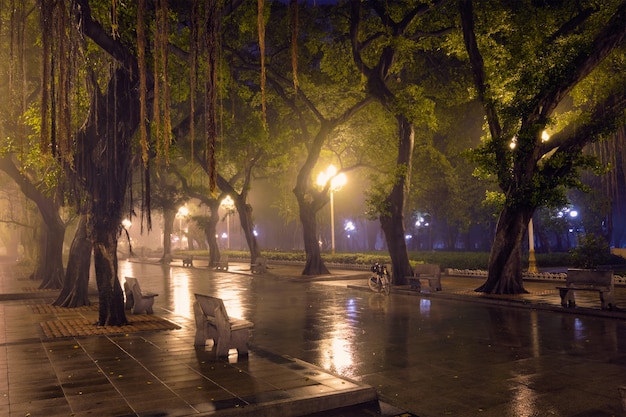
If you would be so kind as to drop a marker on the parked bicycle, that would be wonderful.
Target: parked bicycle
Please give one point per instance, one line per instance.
(379, 281)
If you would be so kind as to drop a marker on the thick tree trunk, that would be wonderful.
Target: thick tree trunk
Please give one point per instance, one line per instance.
(211, 232)
(50, 265)
(103, 163)
(314, 263)
(392, 222)
(505, 272)
(75, 291)
(169, 216)
(247, 225)
(110, 295)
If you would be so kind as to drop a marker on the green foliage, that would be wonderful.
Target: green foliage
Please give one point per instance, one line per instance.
(446, 259)
(592, 251)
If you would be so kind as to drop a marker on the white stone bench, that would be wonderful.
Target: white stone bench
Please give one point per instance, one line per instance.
(425, 272)
(588, 280)
(212, 322)
(188, 261)
(137, 300)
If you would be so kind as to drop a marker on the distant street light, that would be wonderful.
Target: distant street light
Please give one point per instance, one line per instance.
(336, 182)
(228, 204)
(182, 213)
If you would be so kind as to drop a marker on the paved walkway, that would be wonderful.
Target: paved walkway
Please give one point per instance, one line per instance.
(160, 373)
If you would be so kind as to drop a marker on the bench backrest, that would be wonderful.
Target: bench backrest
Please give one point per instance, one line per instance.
(132, 283)
(426, 269)
(212, 307)
(589, 277)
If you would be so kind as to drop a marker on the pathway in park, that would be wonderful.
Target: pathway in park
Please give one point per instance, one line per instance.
(318, 345)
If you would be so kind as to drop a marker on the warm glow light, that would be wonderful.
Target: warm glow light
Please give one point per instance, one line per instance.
(336, 181)
(228, 203)
(544, 136)
(182, 212)
(126, 224)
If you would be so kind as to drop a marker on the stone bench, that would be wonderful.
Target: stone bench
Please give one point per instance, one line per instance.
(136, 299)
(425, 272)
(188, 260)
(260, 266)
(222, 264)
(213, 322)
(588, 280)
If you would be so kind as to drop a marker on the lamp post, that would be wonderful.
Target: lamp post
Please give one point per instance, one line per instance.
(336, 182)
(532, 261)
(228, 204)
(182, 212)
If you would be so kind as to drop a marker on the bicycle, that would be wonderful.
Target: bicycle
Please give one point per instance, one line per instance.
(379, 281)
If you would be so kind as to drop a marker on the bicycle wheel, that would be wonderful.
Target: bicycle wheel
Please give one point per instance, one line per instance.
(385, 287)
(374, 283)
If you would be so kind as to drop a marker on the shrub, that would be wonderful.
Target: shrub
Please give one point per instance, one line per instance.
(593, 250)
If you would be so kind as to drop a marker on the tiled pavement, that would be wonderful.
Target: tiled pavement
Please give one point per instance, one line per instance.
(160, 373)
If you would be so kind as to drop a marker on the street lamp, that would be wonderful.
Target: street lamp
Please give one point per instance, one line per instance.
(336, 182)
(183, 211)
(228, 204)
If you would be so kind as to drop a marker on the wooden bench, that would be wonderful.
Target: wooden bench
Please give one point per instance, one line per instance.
(222, 264)
(212, 322)
(136, 299)
(188, 261)
(588, 280)
(426, 272)
(260, 266)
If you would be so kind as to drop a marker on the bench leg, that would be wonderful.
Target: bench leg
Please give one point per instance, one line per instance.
(239, 340)
(608, 300)
(143, 304)
(567, 298)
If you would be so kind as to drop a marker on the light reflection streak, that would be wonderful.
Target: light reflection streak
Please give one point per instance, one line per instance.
(579, 330)
(181, 294)
(425, 307)
(232, 301)
(337, 350)
(524, 402)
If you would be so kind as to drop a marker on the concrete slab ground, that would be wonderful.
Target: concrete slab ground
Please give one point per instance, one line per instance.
(157, 372)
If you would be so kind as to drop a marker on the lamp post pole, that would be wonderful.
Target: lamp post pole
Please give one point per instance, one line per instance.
(336, 182)
(332, 222)
(532, 262)
(228, 204)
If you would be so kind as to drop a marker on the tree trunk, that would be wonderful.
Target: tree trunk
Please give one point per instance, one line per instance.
(75, 292)
(169, 216)
(50, 264)
(110, 295)
(247, 225)
(211, 232)
(392, 222)
(505, 272)
(103, 164)
(314, 264)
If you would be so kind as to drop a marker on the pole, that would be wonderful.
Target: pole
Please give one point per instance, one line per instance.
(332, 223)
(228, 230)
(532, 262)
(180, 232)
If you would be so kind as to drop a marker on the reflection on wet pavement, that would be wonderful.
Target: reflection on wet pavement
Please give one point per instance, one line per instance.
(434, 357)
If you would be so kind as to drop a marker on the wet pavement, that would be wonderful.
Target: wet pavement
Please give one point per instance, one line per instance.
(323, 347)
